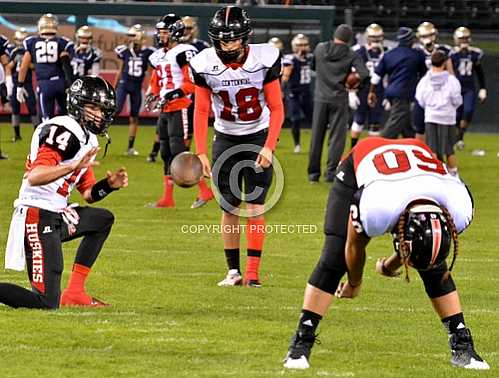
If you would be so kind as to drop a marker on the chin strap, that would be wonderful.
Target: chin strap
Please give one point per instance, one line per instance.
(108, 142)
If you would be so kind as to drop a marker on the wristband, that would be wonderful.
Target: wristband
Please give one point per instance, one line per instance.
(20, 85)
(101, 189)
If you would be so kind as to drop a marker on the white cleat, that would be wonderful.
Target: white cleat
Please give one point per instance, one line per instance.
(297, 149)
(460, 145)
(298, 364)
(477, 365)
(233, 278)
(132, 152)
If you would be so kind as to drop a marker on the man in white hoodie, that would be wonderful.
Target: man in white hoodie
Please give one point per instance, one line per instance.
(439, 94)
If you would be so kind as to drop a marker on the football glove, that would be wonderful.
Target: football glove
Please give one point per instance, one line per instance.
(70, 217)
(353, 100)
(150, 98)
(21, 94)
(482, 94)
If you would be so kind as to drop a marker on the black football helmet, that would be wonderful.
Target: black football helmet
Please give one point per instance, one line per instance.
(173, 24)
(428, 236)
(229, 24)
(92, 90)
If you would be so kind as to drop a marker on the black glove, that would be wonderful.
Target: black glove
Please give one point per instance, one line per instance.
(170, 96)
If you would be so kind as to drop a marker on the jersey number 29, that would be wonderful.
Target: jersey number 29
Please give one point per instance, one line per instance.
(46, 51)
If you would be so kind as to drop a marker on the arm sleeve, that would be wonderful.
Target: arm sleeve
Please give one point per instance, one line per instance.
(273, 96)
(202, 105)
(86, 181)
(67, 69)
(187, 85)
(477, 67)
(47, 156)
(153, 85)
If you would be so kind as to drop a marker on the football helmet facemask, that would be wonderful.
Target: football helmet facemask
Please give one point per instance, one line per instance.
(300, 44)
(427, 35)
(229, 24)
(462, 37)
(19, 36)
(47, 25)
(173, 25)
(96, 91)
(83, 37)
(375, 36)
(427, 235)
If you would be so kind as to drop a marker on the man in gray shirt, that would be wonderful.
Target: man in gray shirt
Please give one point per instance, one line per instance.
(333, 61)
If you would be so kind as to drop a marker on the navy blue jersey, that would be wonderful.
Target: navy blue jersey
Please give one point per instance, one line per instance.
(371, 58)
(16, 54)
(46, 55)
(134, 62)
(464, 63)
(404, 66)
(300, 78)
(446, 49)
(83, 60)
(4, 44)
(199, 44)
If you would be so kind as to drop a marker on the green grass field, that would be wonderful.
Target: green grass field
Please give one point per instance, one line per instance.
(169, 319)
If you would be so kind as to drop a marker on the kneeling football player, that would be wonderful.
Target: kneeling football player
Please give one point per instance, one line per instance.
(62, 155)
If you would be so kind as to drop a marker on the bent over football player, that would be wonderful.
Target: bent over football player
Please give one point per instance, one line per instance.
(62, 155)
(241, 80)
(398, 187)
(171, 83)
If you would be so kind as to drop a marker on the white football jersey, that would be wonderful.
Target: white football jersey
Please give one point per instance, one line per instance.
(68, 138)
(238, 101)
(392, 174)
(168, 65)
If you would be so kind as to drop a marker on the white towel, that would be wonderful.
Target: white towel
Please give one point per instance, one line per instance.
(15, 255)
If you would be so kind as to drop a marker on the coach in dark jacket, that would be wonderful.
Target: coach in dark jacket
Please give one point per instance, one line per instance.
(333, 61)
(404, 67)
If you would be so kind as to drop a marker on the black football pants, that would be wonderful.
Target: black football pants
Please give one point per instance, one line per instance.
(45, 231)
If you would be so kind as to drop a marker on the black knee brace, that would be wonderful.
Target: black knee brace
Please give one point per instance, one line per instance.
(331, 266)
(434, 282)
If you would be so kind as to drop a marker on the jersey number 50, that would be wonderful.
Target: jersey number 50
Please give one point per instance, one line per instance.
(248, 105)
(46, 51)
(402, 162)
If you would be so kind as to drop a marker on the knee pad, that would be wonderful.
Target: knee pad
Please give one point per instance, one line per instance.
(331, 266)
(435, 282)
(357, 128)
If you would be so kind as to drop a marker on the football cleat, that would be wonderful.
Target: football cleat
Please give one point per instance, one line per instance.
(69, 299)
(3, 157)
(299, 351)
(233, 278)
(201, 202)
(16, 138)
(460, 145)
(463, 351)
(253, 283)
(132, 152)
(297, 149)
(151, 158)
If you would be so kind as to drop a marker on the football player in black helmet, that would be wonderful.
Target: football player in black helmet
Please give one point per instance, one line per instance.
(229, 31)
(419, 201)
(62, 155)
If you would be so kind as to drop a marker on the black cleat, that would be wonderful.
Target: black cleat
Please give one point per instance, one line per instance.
(151, 158)
(463, 351)
(299, 350)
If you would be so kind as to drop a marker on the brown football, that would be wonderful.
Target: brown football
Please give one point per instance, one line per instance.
(186, 169)
(352, 81)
